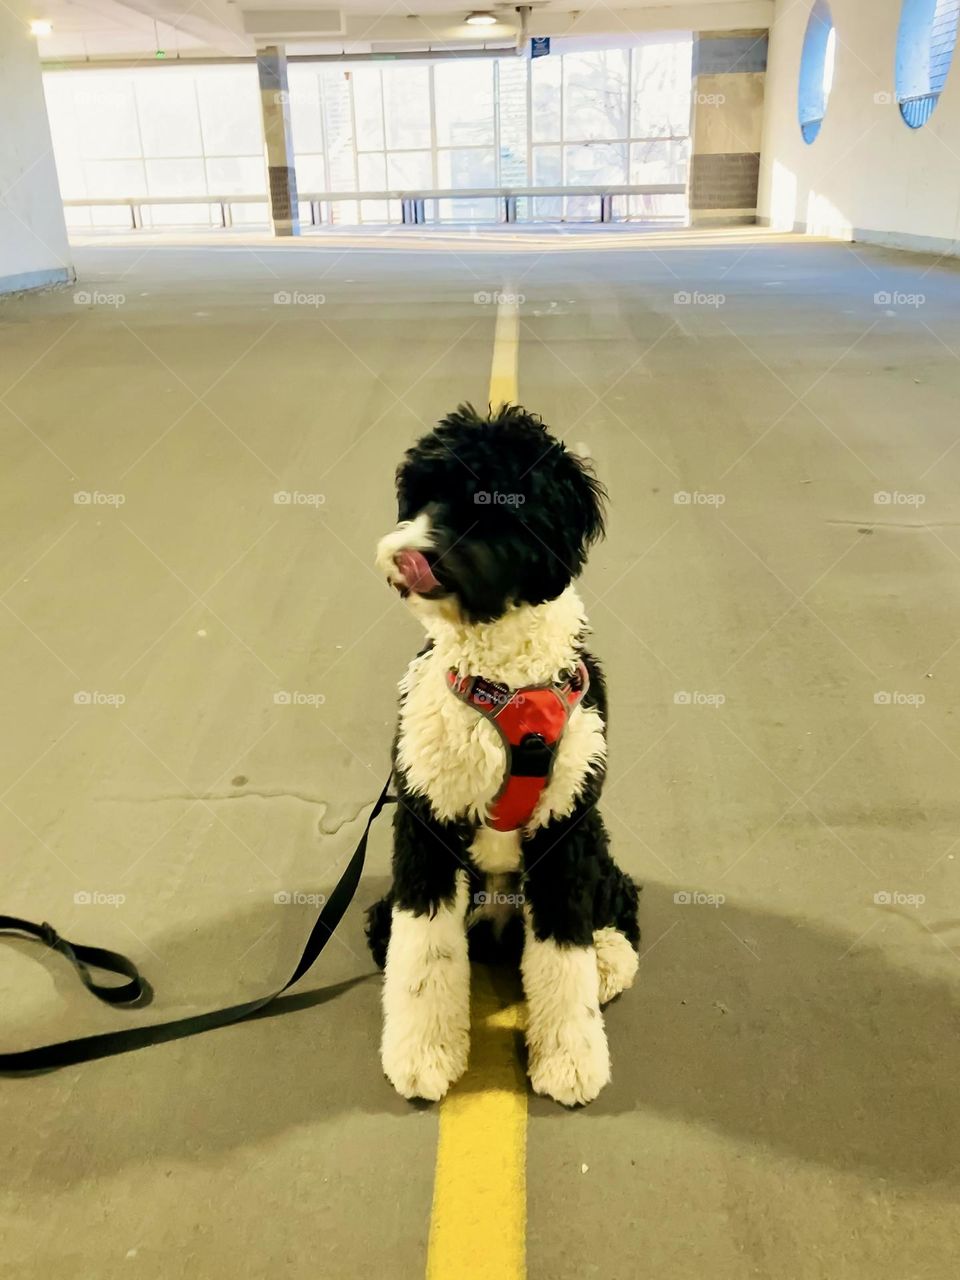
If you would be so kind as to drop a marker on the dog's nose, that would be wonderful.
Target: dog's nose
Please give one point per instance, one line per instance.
(415, 571)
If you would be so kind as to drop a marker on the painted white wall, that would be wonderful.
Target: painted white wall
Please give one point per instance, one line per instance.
(33, 238)
(867, 175)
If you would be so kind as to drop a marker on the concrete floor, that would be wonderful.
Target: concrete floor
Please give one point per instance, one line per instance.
(784, 1100)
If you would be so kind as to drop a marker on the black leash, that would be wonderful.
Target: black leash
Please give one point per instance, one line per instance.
(136, 991)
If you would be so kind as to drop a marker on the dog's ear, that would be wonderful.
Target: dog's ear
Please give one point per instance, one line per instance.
(592, 496)
(566, 513)
(582, 495)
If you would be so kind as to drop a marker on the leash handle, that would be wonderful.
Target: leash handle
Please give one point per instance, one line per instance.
(136, 991)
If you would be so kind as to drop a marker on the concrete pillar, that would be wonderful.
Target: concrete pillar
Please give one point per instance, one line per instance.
(278, 139)
(33, 238)
(729, 69)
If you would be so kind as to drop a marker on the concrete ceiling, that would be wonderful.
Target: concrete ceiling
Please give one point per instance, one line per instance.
(136, 29)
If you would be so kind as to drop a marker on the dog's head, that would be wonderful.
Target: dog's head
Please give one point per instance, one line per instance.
(493, 512)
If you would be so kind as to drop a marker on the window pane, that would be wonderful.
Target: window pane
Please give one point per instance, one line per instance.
(106, 116)
(375, 210)
(62, 112)
(70, 171)
(115, 178)
(342, 213)
(595, 94)
(547, 167)
(943, 37)
(176, 177)
(547, 172)
(546, 73)
(469, 167)
(479, 209)
(368, 106)
(512, 105)
(229, 100)
(410, 170)
(925, 45)
(311, 174)
(77, 219)
(338, 123)
(305, 118)
(661, 89)
(373, 172)
(595, 164)
(181, 215)
(816, 61)
(588, 165)
(651, 207)
(236, 175)
(107, 216)
(256, 215)
(581, 209)
(169, 119)
(659, 161)
(464, 103)
(407, 103)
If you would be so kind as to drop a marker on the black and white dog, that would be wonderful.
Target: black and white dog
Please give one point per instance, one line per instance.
(499, 759)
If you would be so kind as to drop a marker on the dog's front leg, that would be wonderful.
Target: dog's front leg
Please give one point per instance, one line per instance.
(426, 986)
(568, 1055)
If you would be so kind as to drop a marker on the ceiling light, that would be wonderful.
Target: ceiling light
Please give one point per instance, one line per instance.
(481, 18)
(40, 27)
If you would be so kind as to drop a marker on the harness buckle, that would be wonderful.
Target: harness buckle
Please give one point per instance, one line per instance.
(532, 757)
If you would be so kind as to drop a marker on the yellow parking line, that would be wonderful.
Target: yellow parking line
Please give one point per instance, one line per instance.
(478, 1224)
(506, 348)
(479, 1221)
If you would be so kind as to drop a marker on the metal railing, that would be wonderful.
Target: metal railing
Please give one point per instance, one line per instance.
(412, 202)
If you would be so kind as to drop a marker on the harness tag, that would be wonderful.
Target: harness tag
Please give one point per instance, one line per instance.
(487, 695)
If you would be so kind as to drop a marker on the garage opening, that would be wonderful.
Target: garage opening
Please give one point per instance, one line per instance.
(603, 133)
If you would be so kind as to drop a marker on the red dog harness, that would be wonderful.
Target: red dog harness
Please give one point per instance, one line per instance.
(530, 722)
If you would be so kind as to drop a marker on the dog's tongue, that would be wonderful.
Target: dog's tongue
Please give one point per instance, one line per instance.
(417, 574)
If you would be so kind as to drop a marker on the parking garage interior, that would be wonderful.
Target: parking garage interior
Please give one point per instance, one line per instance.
(248, 255)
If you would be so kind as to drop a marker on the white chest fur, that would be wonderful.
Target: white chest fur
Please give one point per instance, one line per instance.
(449, 753)
(454, 756)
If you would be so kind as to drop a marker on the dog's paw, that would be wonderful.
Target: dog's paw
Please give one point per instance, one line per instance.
(575, 1068)
(617, 962)
(426, 1071)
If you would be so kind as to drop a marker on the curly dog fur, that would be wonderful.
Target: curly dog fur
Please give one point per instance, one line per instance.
(495, 520)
